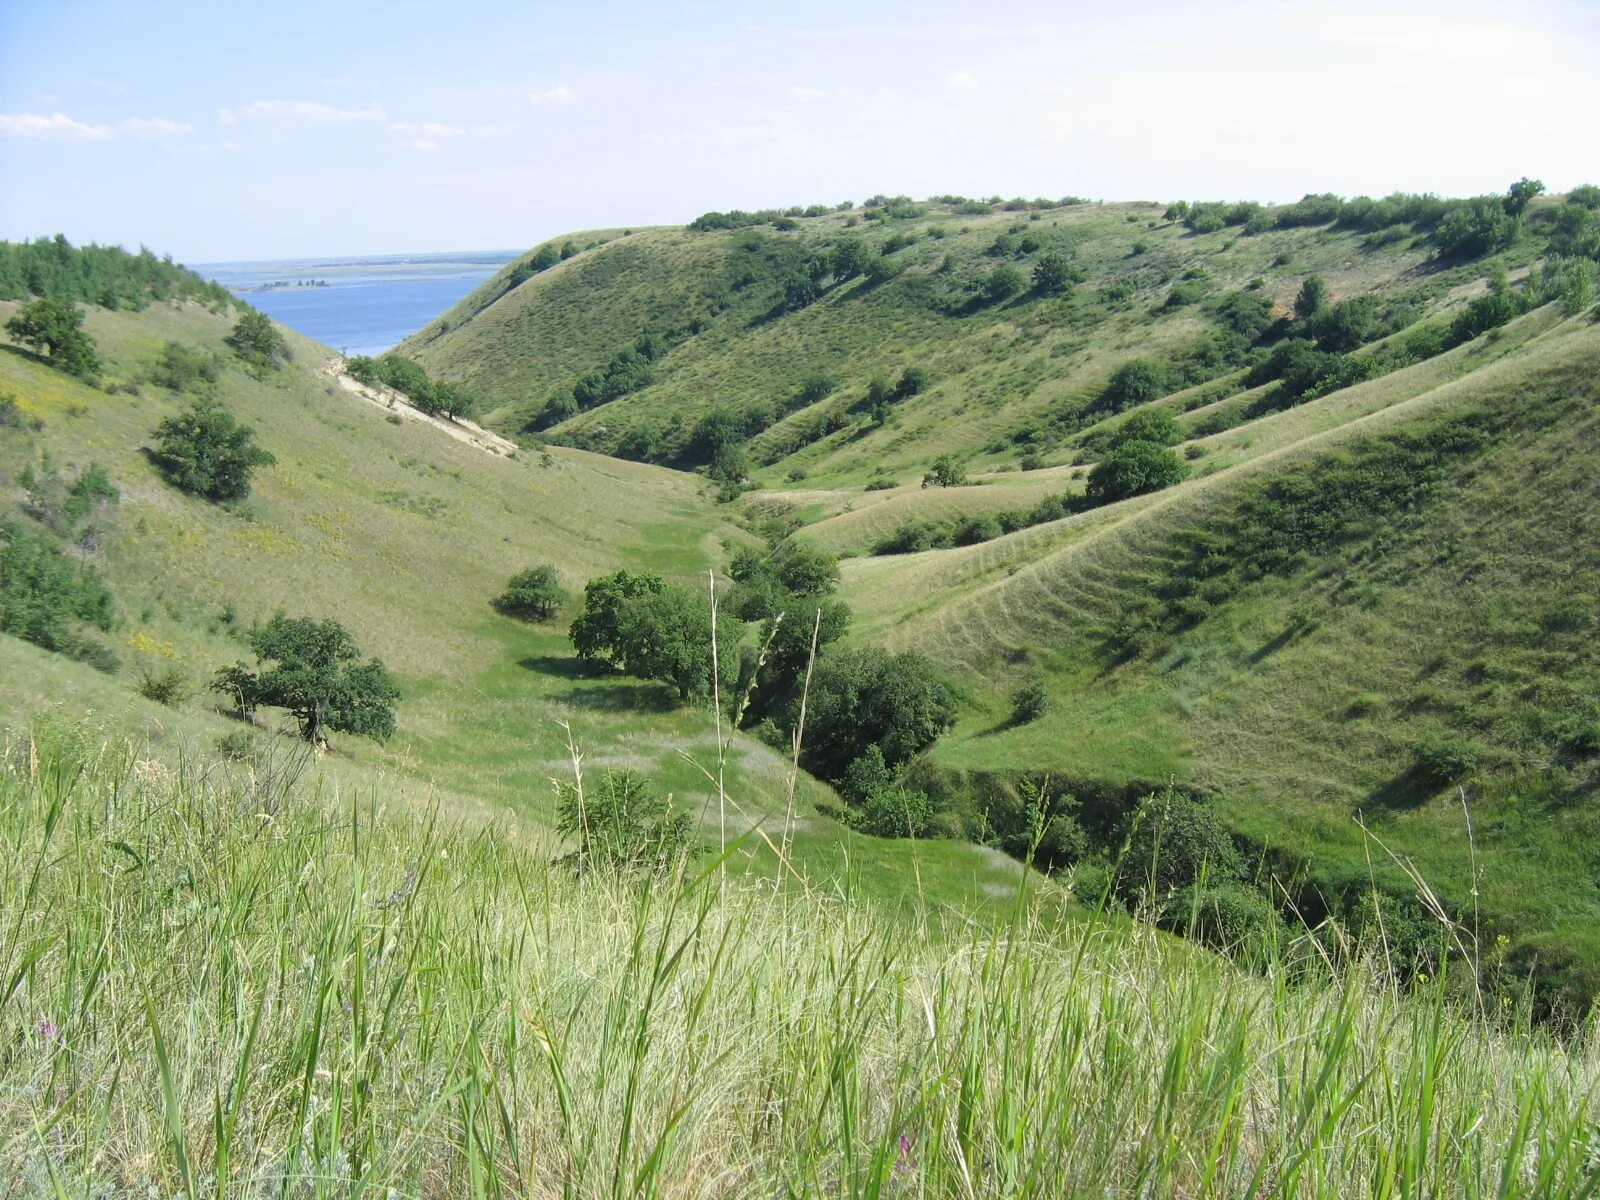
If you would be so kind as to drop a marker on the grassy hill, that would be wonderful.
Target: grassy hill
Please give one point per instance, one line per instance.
(372, 516)
(1363, 623)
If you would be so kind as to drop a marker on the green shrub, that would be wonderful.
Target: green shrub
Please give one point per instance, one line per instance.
(623, 825)
(1029, 702)
(867, 697)
(1442, 760)
(1232, 917)
(238, 745)
(181, 369)
(1133, 469)
(894, 812)
(1175, 841)
(533, 595)
(1136, 382)
(206, 453)
(165, 686)
(44, 595)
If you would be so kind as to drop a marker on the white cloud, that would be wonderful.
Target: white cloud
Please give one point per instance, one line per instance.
(963, 81)
(55, 127)
(155, 127)
(427, 135)
(554, 95)
(306, 112)
(813, 95)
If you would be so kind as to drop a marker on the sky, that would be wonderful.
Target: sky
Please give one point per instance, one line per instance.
(222, 131)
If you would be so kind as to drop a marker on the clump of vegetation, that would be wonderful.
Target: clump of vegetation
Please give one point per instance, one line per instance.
(1029, 702)
(1136, 382)
(205, 452)
(533, 595)
(314, 670)
(181, 369)
(1445, 760)
(395, 371)
(1133, 468)
(259, 342)
(106, 276)
(641, 625)
(445, 938)
(54, 328)
(946, 471)
(45, 596)
(622, 826)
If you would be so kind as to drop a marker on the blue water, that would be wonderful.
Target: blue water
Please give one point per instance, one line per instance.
(369, 303)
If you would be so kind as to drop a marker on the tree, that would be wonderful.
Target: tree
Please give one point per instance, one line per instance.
(1175, 840)
(313, 669)
(55, 328)
(1000, 284)
(43, 592)
(533, 595)
(1476, 228)
(569, 249)
(718, 441)
(646, 627)
(799, 290)
(912, 381)
(802, 569)
(1312, 299)
(1051, 275)
(1132, 469)
(594, 632)
(257, 340)
(206, 453)
(1149, 425)
(1521, 194)
(546, 257)
(623, 825)
(849, 259)
(1137, 381)
(946, 471)
(866, 696)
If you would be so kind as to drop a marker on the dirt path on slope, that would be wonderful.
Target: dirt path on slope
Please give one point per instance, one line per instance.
(392, 401)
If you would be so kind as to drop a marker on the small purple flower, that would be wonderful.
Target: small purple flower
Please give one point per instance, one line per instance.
(905, 1162)
(47, 1029)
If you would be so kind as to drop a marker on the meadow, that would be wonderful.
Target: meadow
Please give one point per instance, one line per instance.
(246, 980)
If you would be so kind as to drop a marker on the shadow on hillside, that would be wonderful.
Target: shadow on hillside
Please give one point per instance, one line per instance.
(621, 697)
(23, 352)
(1408, 789)
(562, 666)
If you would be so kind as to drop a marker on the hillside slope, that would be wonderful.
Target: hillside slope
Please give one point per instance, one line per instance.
(1363, 620)
(380, 521)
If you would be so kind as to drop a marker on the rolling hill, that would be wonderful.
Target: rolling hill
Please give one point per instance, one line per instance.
(1363, 624)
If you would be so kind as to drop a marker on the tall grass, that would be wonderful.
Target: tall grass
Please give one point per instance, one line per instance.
(227, 982)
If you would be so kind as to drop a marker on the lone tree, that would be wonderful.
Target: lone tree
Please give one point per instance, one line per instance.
(1051, 275)
(206, 453)
(256, 340)
(623, 825)
(1132, 469)
(55, 328)
(648, 628)
(946, 471)
(1313, 297)
(313, 669)
(534, 595)
(1135, 382)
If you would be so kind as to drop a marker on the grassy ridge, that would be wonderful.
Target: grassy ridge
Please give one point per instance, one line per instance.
(219, 983)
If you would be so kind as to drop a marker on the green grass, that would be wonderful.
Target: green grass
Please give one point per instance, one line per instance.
(222, 981)
(323, 535)
(999, 373)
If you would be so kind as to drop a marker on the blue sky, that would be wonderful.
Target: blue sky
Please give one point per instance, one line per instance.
(228, 131)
